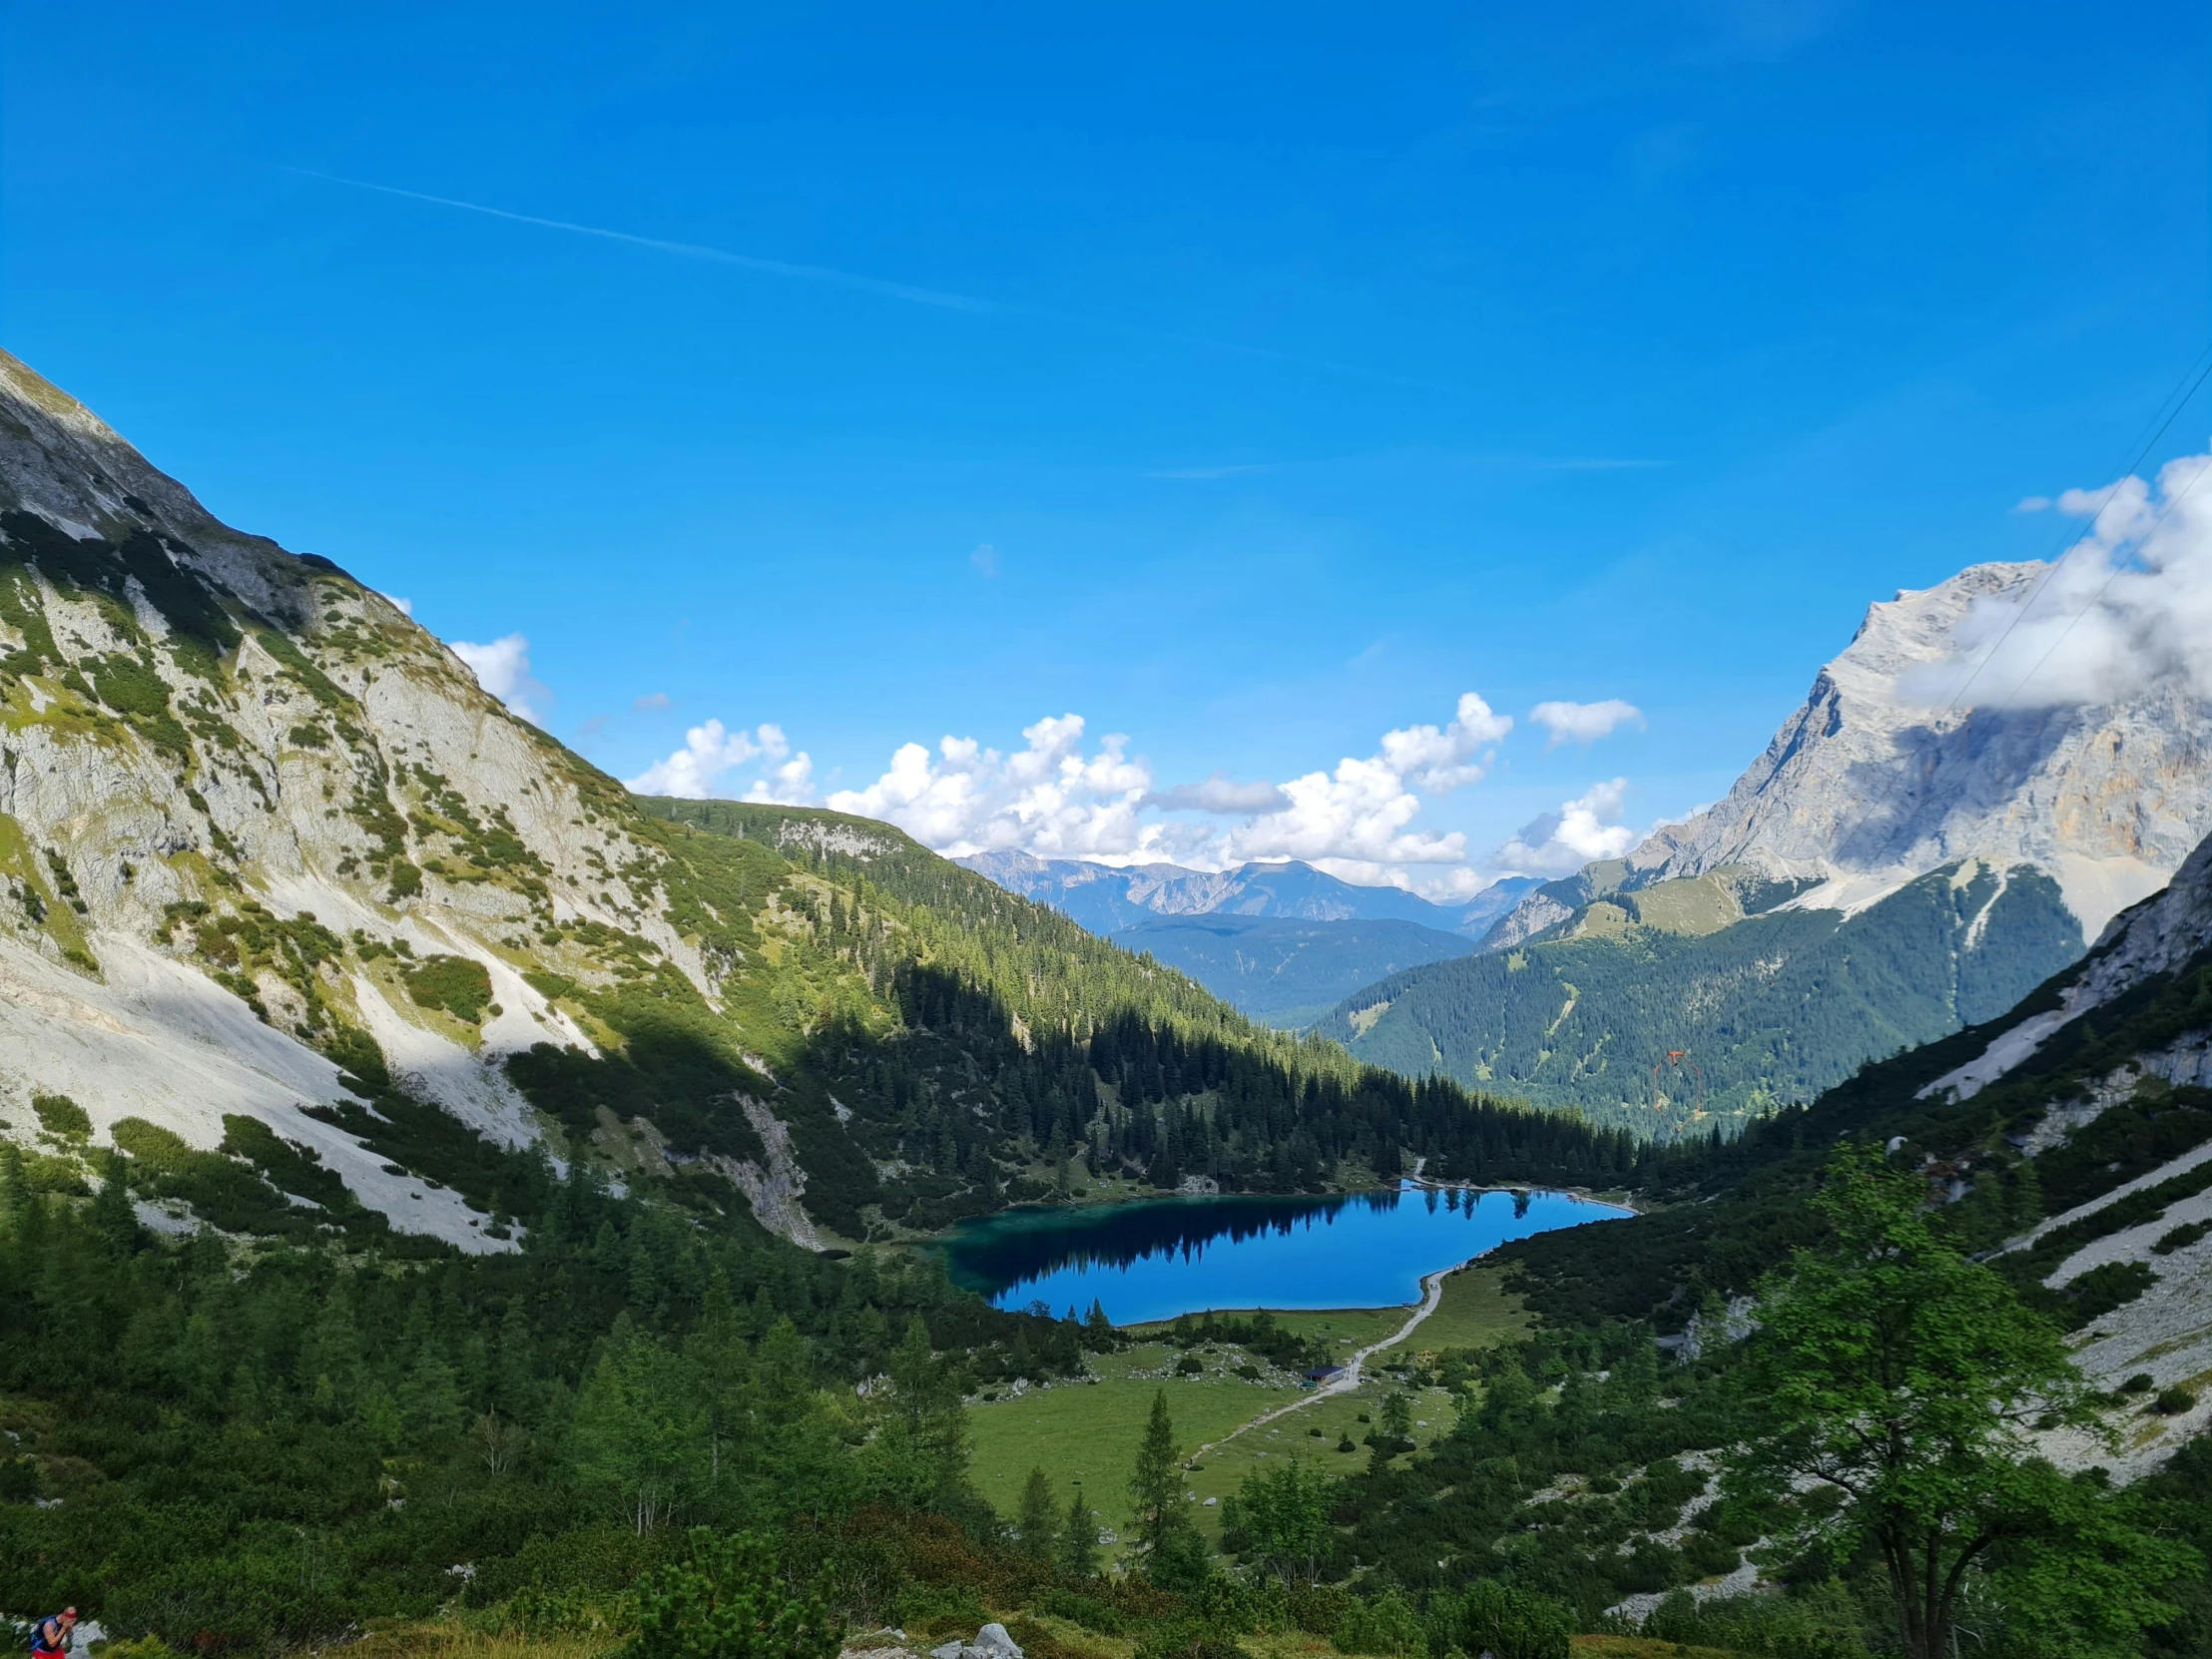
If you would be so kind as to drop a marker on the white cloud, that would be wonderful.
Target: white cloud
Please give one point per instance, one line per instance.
(1584, 722)
(651, 701)
(1049, 798)
(1558, 843)
(1218, 794)
(1439, 760)
(405, 607)
(985, 559)
(2128, 609)
(709, 752)
(502, 668)
(1356, 822)
(790, 784)
(1355, 817)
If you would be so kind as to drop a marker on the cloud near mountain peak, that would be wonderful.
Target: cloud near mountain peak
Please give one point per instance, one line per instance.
(1065, 795)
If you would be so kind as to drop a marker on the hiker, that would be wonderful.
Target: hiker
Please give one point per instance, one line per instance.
(50, 1636)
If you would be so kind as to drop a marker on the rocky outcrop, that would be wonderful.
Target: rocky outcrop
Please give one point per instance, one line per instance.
(991, 1642)
(243, 800)
(1878, 780)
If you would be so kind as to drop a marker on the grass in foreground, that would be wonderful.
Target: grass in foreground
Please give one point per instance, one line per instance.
(448, 1639)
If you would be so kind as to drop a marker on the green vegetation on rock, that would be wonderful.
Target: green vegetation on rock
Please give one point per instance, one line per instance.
(1769, 1010)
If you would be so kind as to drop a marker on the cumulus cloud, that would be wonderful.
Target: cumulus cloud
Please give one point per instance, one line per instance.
(1561, 843)
(1219, 794)
(788, 784)
(1584, 722)
(1356, 821)
(1059, 796)
(1050, 797)
(1443, 759)
(502, 668)
(712, 750)
(405, 607)
(2129, 609)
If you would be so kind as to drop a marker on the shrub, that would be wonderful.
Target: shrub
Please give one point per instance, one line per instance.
(1650, 1566)
(61, 1117)
(2171, 1403)
(1082, 1610)
(1509, 1623)
(2102, 1289)
(1708, 1556)
(1385, 1624)
(1189, 1365)
(726, 1600)
(2181, 1238)
(1821, 1622)
(1317, 1608)
(454, 983)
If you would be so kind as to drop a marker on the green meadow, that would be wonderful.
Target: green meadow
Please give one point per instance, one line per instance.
(1087, 1433)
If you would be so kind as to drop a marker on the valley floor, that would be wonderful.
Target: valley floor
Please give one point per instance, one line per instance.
(1088, 1433)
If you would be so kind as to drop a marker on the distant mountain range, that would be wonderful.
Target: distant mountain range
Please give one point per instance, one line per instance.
(1283, 943)
(1884, 874)
(1287, 970)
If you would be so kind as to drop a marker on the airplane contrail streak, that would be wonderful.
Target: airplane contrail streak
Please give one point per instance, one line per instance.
(907, 292)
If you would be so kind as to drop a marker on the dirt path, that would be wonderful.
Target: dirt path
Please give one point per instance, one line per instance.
(1432, 1296)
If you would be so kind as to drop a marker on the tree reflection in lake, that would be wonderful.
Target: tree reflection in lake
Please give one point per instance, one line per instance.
(1156, 1258)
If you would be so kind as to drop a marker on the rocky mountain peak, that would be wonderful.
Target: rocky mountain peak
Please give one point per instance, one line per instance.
(1877, 779)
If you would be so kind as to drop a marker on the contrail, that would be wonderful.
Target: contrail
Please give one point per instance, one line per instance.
(907, 292)
(689, 249)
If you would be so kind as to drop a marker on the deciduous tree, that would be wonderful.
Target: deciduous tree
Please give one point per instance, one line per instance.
(1904, 1378)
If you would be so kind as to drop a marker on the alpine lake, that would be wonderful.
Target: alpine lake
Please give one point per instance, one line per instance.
(1154, 1258)
(1339, 1273)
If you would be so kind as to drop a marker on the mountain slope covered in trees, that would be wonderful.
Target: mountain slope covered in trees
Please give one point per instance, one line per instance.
(1670, 1008)
(311, 931)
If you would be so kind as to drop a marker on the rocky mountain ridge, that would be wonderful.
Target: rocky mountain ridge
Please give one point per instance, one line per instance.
(1782, 936)
(1108, 897)
(1878, 778)
(1281, 941)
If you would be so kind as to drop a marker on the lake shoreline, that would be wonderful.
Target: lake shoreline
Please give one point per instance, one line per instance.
(1154, 1260)
(1613, 1196)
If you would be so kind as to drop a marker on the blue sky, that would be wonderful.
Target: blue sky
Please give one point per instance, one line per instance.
(1300, 371)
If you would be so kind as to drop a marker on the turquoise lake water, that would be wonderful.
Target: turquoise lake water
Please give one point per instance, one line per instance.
(1157, 1258)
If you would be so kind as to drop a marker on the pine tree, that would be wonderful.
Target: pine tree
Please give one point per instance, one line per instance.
(1155, 1486)
(1079, 1537)
(1039, 1522)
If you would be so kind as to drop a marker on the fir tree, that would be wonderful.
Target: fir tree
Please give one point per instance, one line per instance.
(1038, 1525)
(1079, 1537)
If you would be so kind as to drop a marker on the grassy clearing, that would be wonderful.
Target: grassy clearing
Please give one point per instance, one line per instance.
(1343, 1329)
(1476, 1310)
(1090, 1431)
